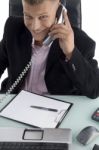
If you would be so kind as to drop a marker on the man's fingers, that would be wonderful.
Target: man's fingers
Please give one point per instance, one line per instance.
(66, 19)
(60, 30)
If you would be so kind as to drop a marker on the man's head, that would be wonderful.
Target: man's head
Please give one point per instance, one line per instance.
(39, 16)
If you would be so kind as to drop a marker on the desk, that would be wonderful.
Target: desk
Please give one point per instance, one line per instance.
(78, 117)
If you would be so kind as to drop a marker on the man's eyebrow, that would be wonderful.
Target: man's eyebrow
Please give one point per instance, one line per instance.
(44, 13)
(26, 13)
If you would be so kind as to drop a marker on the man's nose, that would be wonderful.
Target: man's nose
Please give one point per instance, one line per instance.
(36, 25)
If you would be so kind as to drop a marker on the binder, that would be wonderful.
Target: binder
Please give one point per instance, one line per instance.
(36, 110)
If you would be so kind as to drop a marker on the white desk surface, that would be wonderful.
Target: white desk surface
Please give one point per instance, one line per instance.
(77, 118)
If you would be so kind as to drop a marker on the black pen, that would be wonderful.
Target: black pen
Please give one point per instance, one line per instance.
(44, 108)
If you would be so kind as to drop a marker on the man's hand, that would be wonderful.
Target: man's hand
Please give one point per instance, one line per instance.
(65, 34)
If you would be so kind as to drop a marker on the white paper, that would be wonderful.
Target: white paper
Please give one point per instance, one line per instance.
(19, 109)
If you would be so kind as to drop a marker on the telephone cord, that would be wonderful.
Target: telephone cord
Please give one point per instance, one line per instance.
(21, 75)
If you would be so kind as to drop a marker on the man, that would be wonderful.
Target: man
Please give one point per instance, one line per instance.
(63, 66)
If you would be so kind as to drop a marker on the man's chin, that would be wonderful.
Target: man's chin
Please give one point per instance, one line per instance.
(39, 39)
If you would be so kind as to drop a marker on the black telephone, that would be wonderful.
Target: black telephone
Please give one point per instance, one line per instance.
(47, 41)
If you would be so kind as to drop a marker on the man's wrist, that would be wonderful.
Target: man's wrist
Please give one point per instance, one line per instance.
(69, 54)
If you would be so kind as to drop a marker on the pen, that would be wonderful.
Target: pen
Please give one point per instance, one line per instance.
(44, 108)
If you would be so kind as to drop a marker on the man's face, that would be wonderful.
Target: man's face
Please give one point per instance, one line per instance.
(40, 17)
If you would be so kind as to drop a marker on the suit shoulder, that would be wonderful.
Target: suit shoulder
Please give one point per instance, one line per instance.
(84, 42)
(83, 37)
(14, 20)
(13, 24)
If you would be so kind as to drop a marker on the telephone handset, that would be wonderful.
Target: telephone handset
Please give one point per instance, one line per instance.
(47, 41)
(60, 19)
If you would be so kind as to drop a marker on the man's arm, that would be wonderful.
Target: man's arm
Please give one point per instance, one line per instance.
(3, 52)
(82, 68)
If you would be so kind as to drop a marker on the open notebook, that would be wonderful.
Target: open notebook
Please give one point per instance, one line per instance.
(36, 110)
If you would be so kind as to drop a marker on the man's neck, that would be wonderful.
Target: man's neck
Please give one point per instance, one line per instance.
(38, 43)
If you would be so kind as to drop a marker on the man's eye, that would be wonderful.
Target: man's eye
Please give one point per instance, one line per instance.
(27, 17)
(43, 17)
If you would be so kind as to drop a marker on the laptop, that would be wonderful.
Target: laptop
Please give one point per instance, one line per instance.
(35, 138)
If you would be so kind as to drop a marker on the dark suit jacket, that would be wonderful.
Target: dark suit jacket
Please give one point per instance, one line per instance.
(78, 76)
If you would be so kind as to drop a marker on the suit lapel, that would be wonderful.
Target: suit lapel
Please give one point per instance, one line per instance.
(26, 40)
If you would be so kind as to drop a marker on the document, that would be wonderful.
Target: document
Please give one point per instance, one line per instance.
(36, 110)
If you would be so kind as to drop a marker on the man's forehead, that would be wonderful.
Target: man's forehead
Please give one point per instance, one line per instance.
(39, 7)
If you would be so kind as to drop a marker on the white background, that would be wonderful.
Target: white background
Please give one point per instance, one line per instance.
(90, 23)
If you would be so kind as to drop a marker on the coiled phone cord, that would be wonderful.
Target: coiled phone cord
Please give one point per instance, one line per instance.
(16, 82)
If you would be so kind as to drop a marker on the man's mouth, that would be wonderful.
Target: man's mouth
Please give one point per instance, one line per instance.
(37, 32)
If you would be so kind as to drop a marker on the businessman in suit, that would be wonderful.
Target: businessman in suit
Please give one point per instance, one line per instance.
(63, 66)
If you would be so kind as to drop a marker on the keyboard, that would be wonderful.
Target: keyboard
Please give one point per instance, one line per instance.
(32, 146)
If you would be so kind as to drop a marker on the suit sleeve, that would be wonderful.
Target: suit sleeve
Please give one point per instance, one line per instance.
(3, 51)
(82, 68)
